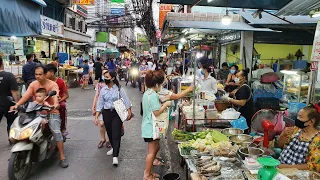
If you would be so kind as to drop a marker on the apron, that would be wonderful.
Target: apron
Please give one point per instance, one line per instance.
(296, 152)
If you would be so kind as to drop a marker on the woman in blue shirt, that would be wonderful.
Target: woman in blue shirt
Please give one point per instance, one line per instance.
(108, 94)
(151, 104)
(85, 75)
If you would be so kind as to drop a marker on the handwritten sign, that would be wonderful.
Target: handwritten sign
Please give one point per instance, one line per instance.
(315, 56)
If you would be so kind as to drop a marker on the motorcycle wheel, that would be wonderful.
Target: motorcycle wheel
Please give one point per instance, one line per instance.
(17, 169)
(134, 82)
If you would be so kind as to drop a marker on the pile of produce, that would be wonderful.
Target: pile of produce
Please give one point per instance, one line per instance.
(180, 135)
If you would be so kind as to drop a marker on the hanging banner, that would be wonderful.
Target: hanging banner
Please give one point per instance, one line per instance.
(83, 2)
(164, 9)
(315, 56)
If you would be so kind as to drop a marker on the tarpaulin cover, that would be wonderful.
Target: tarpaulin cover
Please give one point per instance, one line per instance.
(19, 18)
(249, 4)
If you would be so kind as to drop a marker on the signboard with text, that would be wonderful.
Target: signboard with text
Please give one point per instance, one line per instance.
(315, 56)
(51, 27)
(164, 9)
(83, 2)
(113, 39)
(117, 11)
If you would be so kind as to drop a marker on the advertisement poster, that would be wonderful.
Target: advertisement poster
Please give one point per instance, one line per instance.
(164, 9)
(315, 56)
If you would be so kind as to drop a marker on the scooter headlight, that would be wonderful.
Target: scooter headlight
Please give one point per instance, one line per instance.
(134, 72)
(26, 134)
(12, 133)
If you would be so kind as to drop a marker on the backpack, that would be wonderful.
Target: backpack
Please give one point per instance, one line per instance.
(270, 77)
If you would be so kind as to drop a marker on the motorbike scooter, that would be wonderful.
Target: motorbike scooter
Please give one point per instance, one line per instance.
(132, 76)
(33, 140)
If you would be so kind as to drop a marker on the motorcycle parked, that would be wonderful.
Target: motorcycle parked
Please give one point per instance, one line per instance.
(133, 76)
(33, 138)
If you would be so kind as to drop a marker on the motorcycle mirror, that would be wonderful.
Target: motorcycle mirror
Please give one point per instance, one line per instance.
(52, 93)
(10, 98)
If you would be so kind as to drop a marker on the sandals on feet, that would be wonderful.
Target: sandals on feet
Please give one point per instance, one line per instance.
(101, 143)
(108, 144)
(158, 162)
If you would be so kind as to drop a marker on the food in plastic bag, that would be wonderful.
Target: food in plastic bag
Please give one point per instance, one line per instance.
(230, 114)
(240, 123)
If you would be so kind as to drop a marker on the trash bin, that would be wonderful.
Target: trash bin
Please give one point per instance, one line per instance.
(171, 176)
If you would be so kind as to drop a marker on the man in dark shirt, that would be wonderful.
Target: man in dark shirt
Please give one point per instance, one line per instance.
(98, 66)
(28, 70)
(8, 87)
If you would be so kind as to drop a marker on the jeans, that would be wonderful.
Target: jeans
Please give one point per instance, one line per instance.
(63, 115)
(10, 118)
(55, 125)
(113, 126)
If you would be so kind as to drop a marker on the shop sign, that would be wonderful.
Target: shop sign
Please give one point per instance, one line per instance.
(314, 66)
(164, 9)
(315, 56)
(113, 39)
(83, 2)
(117, 1)
(206, 48)
(117, 11)
(229, 37)
(52, 27)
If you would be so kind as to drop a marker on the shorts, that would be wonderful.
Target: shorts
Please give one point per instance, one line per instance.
(100, 118)
(97, 77)
(55, 125)
(85, 76)
(150, 139)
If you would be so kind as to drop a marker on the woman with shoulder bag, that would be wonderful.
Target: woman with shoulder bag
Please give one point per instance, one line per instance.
(243, 100)
(108, 95)
(100, 123)
(151, 105)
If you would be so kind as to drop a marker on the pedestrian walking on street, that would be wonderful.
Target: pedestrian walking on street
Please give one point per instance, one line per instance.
(91, 72)
(108, 95)
(98, 66)
(85, 75)
(8, 87)
(28, 70)
(99, 122)
(151, 104)
(54, 116)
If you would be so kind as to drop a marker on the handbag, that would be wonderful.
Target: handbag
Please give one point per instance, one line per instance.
(121, 108)
(160, 123)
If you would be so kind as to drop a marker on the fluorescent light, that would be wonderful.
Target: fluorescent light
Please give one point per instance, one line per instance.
(289, 72)
(183, 40)
(226, 19)
(13, 37)
(316, 15)
(209, 1)
(46, 34)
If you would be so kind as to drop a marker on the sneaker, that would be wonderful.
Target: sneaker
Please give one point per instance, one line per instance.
(64, 163)
(110, 152)
(115, 161)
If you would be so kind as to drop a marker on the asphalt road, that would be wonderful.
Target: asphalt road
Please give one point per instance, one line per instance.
(85, 159)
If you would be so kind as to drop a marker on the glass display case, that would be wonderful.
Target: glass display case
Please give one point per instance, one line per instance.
(314, 92)
(296, 86)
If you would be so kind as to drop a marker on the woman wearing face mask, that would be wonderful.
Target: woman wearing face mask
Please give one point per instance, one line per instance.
(209, 83)
(242, 96)
(300, 144)
(99, 122)
(230, 83)
(108, 94)
(151, 104)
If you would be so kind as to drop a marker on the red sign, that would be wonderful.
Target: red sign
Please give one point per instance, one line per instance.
(164, 9)
(206, 48)
(314, 66)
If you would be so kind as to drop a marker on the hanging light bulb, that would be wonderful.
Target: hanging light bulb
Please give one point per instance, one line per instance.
(199, 55)
(226, 19)
(183, 40)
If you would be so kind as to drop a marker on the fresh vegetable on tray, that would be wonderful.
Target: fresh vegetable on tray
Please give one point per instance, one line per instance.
(180, 135)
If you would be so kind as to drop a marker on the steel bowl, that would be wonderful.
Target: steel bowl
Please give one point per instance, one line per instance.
(231, 131)
(250, 152)
(249, 144)
(240, 139)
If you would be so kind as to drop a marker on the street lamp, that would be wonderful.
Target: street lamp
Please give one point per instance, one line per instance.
(226, 19)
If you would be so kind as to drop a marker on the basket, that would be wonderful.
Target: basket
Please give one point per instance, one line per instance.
(222, 105)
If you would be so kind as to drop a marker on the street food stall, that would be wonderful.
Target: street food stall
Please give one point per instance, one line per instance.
(209, 134)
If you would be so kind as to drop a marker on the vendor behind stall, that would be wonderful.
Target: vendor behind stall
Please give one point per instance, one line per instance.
(302, 142)
(243, 100)
(209, 83)
(230, 83)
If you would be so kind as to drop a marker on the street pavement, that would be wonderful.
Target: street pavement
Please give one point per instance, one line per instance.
(85, 159)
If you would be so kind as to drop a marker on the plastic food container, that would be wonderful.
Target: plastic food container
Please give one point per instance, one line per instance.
(211, 113)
